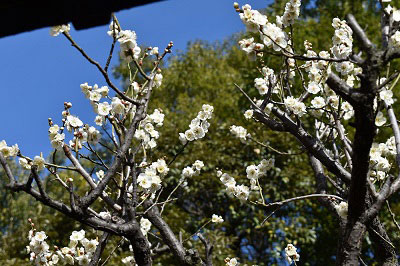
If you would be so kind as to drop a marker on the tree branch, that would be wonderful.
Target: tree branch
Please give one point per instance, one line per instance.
(365, 43)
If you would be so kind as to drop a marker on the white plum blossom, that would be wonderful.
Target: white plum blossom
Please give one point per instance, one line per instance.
(198, 165)
(292, 11)
(187, 172)
(158, 79)
(272, 35)
(313, 88)
(291, 253)
(231, 262)
(40, 236)
(294, 105)
(348, 110)
(248, 114)
(182, 138)
(158, 117)
(145, 225)
(252, 18)
(342, 209)
(74, 121)
(7, 151)
(342, 40)
(252, 172)
(396, 15)
(394, 41)
(117, 106)
(104, 108)
(56, 30)
(154, 51)
(25, 164)
(198, 126)
(149, 181)
(239, 132)
(217, 219)
(39, 162)
(93, 135)
(77, 235)
(114, 29)
(380, 119)
(130, 261)
(261, 85)
(318, 102)
(386, 96)
(129, 48)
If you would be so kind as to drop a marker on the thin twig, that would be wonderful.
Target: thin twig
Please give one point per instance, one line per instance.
(112, 252)
(393, 216)
(103, 72)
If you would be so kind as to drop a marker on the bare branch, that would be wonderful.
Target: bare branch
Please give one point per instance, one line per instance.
(11, 178)
(99, 249)
(88, 177)
(103, 72)
(168, 236)
(365, 43)
(208, 249)
(312, 145)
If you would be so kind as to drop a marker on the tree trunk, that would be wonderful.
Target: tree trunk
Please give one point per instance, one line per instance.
(351, 243)
(141, 250)
(384, 252)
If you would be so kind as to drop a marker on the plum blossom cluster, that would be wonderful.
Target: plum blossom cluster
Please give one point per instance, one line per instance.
(81, 135)
(147, 132)
(118, 108)
(380, 154)
(145, 225)
(291, 253)
(295, 105)
(130, 261)
(292, 11)
(386, 96)
(242, 192)
(263, 84)
(198, 126)
(342, 209)
(251, 47)
(80, 249)
(56, 137)
(217, 219)
(56, 30)
(254, 172)
(193, 170)
(150, 180)
(253, 19)
(274, 35)
(8, 151)
(27, 163)
(239, 132)
(271, 34)
(129, 49)
(342, 39)
(231, 261)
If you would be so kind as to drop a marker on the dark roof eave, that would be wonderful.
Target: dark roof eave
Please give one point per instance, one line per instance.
(18, 16)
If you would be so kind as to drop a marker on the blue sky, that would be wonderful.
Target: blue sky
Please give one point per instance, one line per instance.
(39, 72)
